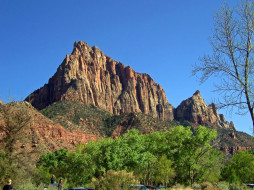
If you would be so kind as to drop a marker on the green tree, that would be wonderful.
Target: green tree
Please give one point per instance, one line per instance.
(97, 154)
(240, 168)
(52, 163)
(128, 152)
(15, 122)
(182, 156)
(232, 57)
(77, 168)
(194, 156)
(80, 169)
(164, 171)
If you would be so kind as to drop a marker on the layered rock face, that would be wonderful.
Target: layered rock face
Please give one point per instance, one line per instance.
(90, 77)
(195, 110)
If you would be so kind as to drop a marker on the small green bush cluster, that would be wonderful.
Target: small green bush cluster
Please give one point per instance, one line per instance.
(196, 186)
(31, 186)
(117, 180)
(223, 185)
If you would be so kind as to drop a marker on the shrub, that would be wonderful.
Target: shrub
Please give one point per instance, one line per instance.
(223, 185)
(235, 187)
(196, 186)
(178, 186)
(114, 180)
(207, 186)
(30, 186)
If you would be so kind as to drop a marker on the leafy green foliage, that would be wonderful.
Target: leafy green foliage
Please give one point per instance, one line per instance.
(52, 163)
(7, 168)
(240, 168)
(160, 157)
(164, 171)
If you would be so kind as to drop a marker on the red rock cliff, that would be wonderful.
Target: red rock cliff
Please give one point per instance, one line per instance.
(43, 135)
(90, 77)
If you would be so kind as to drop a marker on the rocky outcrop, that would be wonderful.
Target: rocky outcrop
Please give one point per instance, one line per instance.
(90, 77)
(234, 149)
(195, 110)
(1, 102)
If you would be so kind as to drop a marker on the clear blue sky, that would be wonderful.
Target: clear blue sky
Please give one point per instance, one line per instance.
(163, 38)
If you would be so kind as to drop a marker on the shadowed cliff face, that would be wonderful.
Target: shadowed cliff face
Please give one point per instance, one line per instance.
(88, 76)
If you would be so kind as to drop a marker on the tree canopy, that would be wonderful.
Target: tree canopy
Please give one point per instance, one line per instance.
(176, 156)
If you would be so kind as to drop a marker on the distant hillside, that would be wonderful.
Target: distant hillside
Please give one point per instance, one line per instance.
(93, 120)
(43, 135)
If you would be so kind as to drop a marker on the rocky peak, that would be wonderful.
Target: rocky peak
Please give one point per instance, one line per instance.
(1, 102)
(197, 93)
(90, 77)
(195, 110)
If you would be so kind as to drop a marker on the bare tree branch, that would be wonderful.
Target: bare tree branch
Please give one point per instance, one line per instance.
(232, 59)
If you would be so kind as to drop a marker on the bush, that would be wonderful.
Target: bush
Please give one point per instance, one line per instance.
(196, 186)
(223, 185)
(235, 187)
(178, 186)
(114, 179)
(207, 186)
(30, 186)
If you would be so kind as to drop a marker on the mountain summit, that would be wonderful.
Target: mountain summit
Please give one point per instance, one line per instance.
(196, 111)
(88, 76)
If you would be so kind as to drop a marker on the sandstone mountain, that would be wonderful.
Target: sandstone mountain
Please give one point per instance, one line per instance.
(196, 111)
(90, 77)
